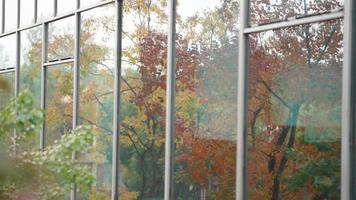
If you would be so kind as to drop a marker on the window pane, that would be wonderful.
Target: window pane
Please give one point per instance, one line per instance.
(143, 100)
(27, 12)
(59, 97)
(84, 3)
(65, 6)
(61, 39)
(45, 9)
(269, 11)
(206, 100)
(96, 93)
(30, 72)
(294, 118)
(7, 88)
(10, 15)
(7, 52)
(7, 92)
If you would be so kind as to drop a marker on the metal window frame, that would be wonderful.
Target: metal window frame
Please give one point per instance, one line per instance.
(170, 101)
(55, 8)
(17, 61)
(43, 81)
(76, 84)
(348, 146)
(35, 11)
(3, 71)
(242, 104)
(115, 192)
(294, 22)
(44, 90)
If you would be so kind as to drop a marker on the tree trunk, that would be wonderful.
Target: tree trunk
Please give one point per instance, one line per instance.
(293, 119)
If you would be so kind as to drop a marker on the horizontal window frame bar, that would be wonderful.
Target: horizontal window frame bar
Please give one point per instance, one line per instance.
(69, 14)
(59, 62)
(295, 22)
(7, 71)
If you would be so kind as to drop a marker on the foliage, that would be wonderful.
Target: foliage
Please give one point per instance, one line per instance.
(293, 105)
(53, 167)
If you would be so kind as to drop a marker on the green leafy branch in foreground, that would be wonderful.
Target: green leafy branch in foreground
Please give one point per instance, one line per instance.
(39, 174)
(57, 164)
(20, 114)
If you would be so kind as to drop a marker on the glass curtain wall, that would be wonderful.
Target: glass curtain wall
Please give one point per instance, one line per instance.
(294, 100)
(289, 100)
(294, 137)
(96, 93)
(143, 94)
(7, 88)
(206, 100)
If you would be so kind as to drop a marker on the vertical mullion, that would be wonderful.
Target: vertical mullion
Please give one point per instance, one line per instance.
(55, 7)
(3, 17)
(17, 77)
(348, 103)
(17, 65)
(76, 83)
(170, 104)
(18, 14)
(43, 81)
(35, 11)
(117, 94)
(241, 174)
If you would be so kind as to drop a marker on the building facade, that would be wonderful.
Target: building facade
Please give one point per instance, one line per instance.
(192, 99)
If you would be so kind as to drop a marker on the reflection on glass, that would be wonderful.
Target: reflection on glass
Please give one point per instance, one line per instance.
(10, 15)
(7, 92)
(59, 97)
(7, 88)
(294, 117)
(30, 71)
(142, 106)
(45, 9)
(65, 6)
(27, 12)
(279, 10)
(7, 52)
(96, 94)
(61, 39)
(206, 100)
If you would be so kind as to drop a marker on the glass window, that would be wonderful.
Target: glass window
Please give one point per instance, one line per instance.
(59, 97)
(7, 92)
(278, 10)
(27, 12)
(10, 15)
(61, 39)
(7, 52)
(30, 73)
(206, 100)
(143, 95)
(294, 112)
(7, 88)
(65, 6)
(30, 68)
(96, 93)
(45, 9)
